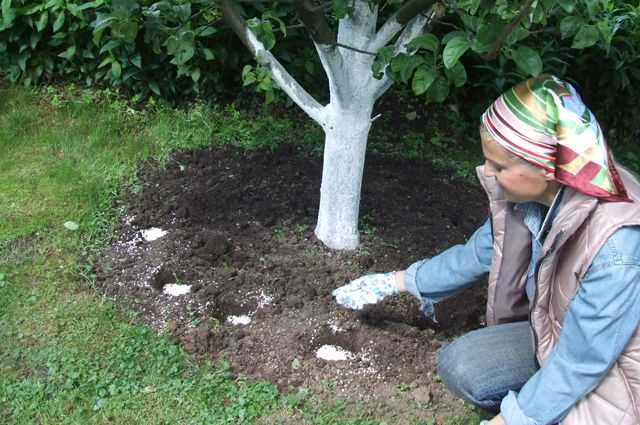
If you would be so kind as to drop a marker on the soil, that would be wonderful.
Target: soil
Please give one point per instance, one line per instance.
(239, 241)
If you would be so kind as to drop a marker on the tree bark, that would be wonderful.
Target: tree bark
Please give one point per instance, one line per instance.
(343, 164)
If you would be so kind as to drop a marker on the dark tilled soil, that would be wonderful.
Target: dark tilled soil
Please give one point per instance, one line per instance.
(239, 235)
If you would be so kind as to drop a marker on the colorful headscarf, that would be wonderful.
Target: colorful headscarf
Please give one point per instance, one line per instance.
(544, 121)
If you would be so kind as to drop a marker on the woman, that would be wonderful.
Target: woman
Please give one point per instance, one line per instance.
(562, 249)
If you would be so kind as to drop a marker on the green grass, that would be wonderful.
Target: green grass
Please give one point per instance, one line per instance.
(69, 355)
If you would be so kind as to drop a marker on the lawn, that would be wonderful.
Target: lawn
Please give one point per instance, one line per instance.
(70, 355)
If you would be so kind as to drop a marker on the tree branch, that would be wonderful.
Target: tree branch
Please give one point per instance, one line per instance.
(413, 29)
(313, 18)
(332, 63)
(493, 53)
(397, 21)
(283, 79)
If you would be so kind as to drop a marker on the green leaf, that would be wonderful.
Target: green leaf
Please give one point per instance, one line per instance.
(184, 55)
(22, 61)
(8, 14)
(137, 61)
(607, 32)
(106, 61)
(567, 5)
(569, 26)
(270, 15)
(154, 87)
(457, 75)
(447, 37)
(34, 38)
(207, 31)
(208, 54)
(265, 84)
(439, 90)
(587, 36)
(267, 37)
(340, 8)
(385, 54)
(422, 80)
(528, 60)
(426, 41)
(68, 54)
(454, 49)
(489, 32)
(59, 22)
(126, 30)
(403, 66)
(376, 70)
(248, 76)
(102, 21)
(111, 44)
(116, 69)
(195, 75)
(269, 97)
(42, 22)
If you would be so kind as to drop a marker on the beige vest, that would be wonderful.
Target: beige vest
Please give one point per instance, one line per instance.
(580, 229)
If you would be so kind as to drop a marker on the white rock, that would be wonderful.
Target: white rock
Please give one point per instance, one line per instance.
(175, 290)
(153, 233)
(239, 320)
(333, 353)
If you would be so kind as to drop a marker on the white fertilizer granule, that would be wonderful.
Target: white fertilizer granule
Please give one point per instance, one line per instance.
(152, 234)
(333, 353)
(239, 320)
(175, 290)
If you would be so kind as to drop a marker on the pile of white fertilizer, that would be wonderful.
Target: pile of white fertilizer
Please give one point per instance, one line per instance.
(239, 320)
(333, 353)
(152, 234)
(175, 290)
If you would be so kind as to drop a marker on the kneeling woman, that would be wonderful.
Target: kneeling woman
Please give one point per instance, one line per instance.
(562, 249)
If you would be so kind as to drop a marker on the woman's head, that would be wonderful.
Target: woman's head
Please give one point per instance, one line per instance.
(544, 124)
(520, 180)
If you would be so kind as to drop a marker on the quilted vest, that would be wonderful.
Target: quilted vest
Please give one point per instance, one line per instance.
(580, 229)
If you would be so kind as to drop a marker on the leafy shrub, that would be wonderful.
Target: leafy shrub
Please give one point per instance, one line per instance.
(166, 48)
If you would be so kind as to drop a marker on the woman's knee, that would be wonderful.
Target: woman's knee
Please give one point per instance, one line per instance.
(466, 367)
(456, 371)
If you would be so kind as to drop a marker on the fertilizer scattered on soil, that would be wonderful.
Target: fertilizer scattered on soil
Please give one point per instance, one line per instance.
(152, 234)
(333, 353)
(176, 290)
(236, 227)
(239, 320)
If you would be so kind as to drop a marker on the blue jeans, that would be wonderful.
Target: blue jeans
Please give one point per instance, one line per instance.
(483, 365)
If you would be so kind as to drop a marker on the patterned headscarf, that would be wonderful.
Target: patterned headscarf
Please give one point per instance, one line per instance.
(543, 121)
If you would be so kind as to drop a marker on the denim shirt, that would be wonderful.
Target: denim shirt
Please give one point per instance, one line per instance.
(599, 322)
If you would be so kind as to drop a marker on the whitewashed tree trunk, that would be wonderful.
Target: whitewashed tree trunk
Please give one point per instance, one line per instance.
(343, 164)
(346, 120)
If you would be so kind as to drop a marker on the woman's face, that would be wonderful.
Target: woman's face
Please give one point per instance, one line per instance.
(520, 181)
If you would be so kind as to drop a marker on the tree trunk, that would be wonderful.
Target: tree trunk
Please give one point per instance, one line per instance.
(346, 136)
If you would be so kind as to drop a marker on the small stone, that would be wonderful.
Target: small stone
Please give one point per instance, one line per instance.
(422, 395)
(295, 364)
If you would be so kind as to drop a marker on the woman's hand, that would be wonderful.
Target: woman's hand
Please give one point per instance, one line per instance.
(498, 420)
(369, 289)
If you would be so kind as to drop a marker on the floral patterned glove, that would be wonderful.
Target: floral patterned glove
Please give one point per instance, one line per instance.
(368, 289)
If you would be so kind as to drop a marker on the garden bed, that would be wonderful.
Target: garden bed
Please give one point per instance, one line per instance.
(217, 249)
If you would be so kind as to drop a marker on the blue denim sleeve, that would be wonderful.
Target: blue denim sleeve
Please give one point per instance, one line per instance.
(434, 279)
(599, 323)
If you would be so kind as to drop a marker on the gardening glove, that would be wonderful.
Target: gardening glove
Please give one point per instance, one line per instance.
(369, 289)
